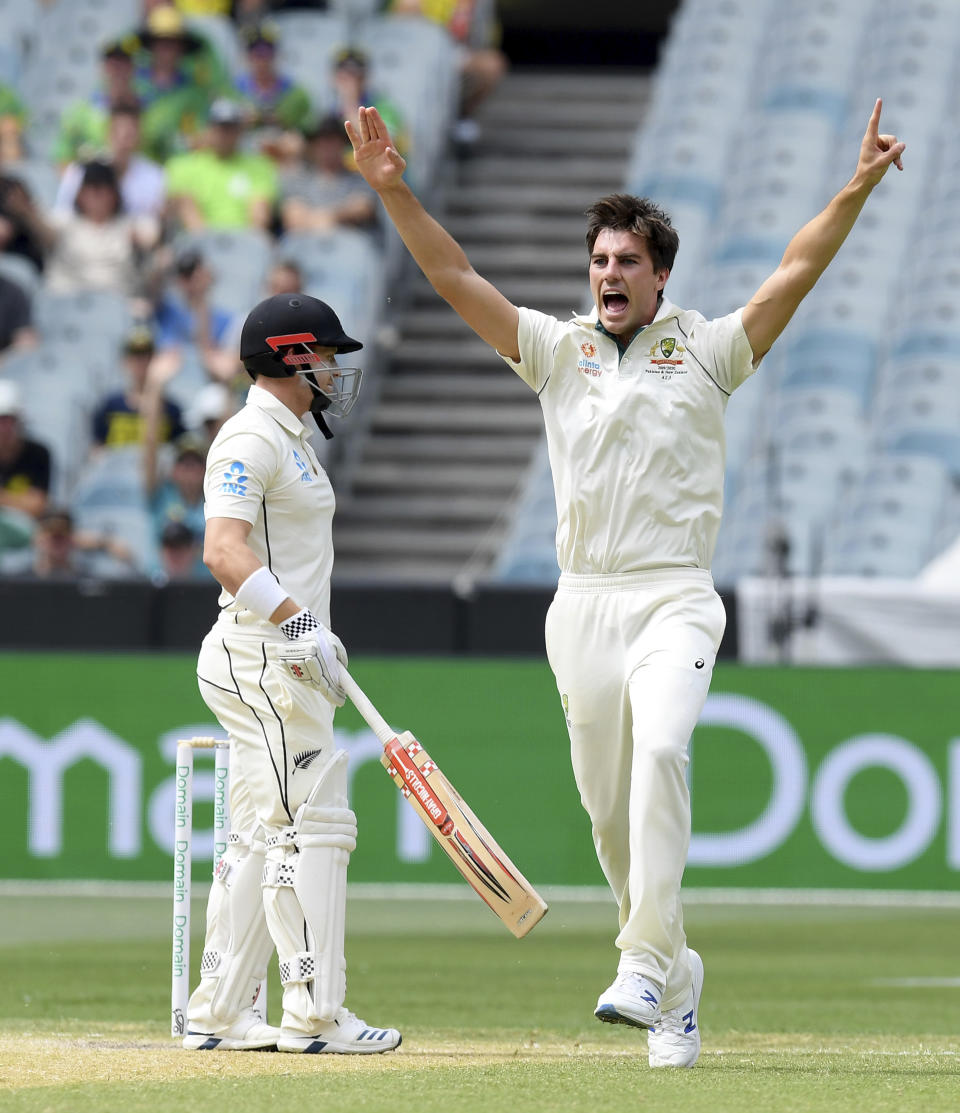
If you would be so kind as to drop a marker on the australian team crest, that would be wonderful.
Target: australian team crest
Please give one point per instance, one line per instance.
(668, 346)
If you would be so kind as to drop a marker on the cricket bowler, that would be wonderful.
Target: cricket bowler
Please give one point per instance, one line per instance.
(633, 397)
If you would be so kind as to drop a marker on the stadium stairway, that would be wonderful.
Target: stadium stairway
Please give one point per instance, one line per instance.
(449, 441)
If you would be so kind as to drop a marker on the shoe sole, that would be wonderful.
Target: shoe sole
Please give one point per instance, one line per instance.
(697, 991)
(609, 1014)
(327, 1047)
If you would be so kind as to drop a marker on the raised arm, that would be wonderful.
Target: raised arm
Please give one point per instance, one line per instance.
(810, 251)
(491, 316)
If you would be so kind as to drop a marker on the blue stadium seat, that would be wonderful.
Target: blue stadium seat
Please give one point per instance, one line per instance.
(343, 267)
(130, 524)
(832, 358)
(414, 62)
(21, 270)
(92, 321)
(308, 43)
(941, 443)
(239, 259)
(111, 478)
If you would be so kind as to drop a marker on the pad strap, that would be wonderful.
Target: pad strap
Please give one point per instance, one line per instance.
(301, 967)
(277, 875)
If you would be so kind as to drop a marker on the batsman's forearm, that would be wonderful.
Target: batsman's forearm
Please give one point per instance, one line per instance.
(436, 252)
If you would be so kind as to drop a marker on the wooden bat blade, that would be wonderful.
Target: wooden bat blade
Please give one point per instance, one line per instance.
(469, 845)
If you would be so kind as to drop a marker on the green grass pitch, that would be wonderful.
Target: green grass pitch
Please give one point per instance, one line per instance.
(804, 1009)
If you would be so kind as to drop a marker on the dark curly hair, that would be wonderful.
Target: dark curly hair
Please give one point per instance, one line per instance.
(621, 212)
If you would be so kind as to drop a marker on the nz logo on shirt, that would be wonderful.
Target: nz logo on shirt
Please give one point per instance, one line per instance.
(235, 479)
(305, 476)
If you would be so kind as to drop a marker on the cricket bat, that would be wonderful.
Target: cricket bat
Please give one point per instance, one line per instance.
(464, 839)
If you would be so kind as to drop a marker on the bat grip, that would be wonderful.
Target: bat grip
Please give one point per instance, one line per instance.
(374, 720)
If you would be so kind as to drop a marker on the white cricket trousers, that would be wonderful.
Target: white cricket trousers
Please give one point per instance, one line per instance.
(281, 738)
(633, 654)
(281, 732)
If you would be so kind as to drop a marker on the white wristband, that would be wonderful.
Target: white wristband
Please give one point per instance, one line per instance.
(260, 593)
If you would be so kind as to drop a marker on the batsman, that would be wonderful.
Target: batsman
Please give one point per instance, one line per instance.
(269, 670)
(633, 396)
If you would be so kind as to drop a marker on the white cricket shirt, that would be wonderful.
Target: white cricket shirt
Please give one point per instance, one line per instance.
(262, 470)
(636, 444)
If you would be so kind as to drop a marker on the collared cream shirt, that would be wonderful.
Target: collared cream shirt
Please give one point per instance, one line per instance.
(636, 444)
(261, 469)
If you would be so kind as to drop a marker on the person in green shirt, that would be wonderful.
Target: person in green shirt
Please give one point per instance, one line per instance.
(166, 117)
(219, 185)
(13, 120)
(85, 123)
(351, 88)
(177, 76)
(272, 99)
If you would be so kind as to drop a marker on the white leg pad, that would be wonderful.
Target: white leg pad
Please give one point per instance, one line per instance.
(305, 892)
(238, 946)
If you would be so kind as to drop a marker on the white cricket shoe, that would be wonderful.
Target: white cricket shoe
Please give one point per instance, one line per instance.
(345, 1035)
(675, 1042)
(632, 999)
(249, 1033)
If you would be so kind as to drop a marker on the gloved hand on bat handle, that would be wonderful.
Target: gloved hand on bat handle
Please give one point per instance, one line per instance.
(313, 655)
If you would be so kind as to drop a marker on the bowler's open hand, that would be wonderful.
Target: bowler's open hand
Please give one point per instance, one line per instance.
(878, 151)
(377, 158)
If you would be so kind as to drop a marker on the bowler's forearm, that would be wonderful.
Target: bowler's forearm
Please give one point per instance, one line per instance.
(436, 252)
(811, 250)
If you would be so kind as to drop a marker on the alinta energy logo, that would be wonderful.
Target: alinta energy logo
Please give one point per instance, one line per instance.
(588, 364)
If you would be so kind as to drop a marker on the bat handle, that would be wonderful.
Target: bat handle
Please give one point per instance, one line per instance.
(375, 721)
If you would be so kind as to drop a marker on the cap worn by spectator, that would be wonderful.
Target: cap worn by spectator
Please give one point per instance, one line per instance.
(186, 260)
(167, 24)
(325, 128)
(139, 341)
(226, 113)
(350, 57)
(189, 447)
(212, 403)
(11, 403)
(56, 521)
(124, 48)
(260, 36)
(176, 535)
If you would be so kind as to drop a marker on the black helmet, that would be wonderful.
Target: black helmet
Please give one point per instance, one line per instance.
(289, 320)
(275, 342)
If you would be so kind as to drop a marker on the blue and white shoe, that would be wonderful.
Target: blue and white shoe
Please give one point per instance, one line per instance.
(675, 1042)
(248, 1033)
(345, 1035)
(632, 999)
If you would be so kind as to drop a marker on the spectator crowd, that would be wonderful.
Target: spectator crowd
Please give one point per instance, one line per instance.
(107, 230)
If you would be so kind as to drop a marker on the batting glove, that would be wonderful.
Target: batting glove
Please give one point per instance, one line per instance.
(313, 656)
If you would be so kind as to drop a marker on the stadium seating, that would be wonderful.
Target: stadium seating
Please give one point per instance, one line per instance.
(847, 441)
(308, 42)
(239, 259)
(50, 55)
(851, 424)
